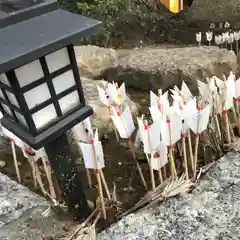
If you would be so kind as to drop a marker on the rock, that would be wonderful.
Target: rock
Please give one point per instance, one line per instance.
(2, 164)
(153, 68)
(92, 60)
(214, 11)
(101, 117)
(211, 211)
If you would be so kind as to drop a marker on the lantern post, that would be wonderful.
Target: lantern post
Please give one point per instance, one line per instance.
(41, 95)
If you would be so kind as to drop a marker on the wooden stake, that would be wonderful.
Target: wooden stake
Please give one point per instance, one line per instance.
(185, 156)
(236, 47)
(165, 172)
(170, 148)
(48, 172)
(89, 179)
(218, 126)
(105, 184)
(236, 119)
(97, 172)
(39, 178)
(160, 176)
(225, 115)
(136, 162)
(196, 146)
(114, 127)
(196, 155)
(237, 106)
(131, 146)
(15, 159)
(149, 160)
(190, 149)
(33, 173)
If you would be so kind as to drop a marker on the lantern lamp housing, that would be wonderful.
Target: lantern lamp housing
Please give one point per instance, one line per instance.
(41, 95)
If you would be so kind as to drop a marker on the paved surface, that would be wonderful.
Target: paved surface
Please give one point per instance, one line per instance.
(20, 214)
(211, 212)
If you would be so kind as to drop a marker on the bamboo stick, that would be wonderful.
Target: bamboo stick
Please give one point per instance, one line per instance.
(190, 149)
(15, 159)
(170, 148)
(136, 162)
(105, 184)
(185, 155)
(196, 145)
(97, 173)
(149, 160)
(48, 172)
(33, 173)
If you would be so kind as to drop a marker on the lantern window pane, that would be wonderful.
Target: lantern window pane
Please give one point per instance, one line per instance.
(57, 60)
(4, 80)
(1, 94)
(12, 99)
(37, 95)
(44, 116)
(7, 109)
(29, 73)
(69, 102)
(63, 81)
(20, 118)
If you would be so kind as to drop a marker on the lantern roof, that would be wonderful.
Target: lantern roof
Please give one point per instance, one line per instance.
(32, 32)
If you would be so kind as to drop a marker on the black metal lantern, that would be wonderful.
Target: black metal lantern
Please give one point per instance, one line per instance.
(41, 96)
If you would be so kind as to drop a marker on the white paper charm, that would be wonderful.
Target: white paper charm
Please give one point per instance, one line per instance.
(18, 142)
(209, 36)
(187, 113)
(199, 37)
(91, 160)
(187, 95)
(156, 114)
(105, 96)
(202, 116)
(117, 94)
(82, 130)
(230, 91)
(159, 158)
(237, 88)
(123, 122)
(175, 123)
(160, 101)
(150, 135)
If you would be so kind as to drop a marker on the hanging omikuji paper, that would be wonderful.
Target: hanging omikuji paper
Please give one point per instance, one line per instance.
(199, 120)
(81, 130)
(150, 135)
(123, 122)
(159, 158)
(93, 158)
(118, 94)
